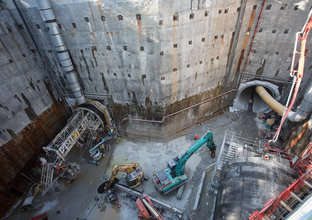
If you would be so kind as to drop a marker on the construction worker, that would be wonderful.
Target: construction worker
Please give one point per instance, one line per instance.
(249, 105)
(266, 157)
(212, 149)
(196, 137)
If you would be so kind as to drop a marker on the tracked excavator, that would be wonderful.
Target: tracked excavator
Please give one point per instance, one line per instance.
(133, 178)
(173, 176)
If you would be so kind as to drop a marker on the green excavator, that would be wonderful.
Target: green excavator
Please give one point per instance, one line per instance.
(173, 176)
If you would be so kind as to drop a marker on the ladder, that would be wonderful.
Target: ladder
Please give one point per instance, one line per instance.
(227, 154)
(46, 175)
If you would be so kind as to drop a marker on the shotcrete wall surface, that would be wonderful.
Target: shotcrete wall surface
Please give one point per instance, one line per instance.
(19, 164)
(147, 59)
(30, 111)
(24, 89)
(144, 54)
(271, 54)
(247, 183)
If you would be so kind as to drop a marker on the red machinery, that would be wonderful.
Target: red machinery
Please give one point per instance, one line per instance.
(297, 74)
(304, 163)
(284, 202)
(147, 209)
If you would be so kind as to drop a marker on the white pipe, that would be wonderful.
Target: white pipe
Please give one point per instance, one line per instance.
(57, 41)
(150, 208)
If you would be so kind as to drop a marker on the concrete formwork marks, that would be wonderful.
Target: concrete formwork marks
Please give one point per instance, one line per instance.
(21, 95)
(147, 29)
(125, 49)
(137, 28)
(175, 79)
(275, 38)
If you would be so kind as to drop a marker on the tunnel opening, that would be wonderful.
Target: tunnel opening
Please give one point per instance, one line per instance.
(247, 98)
(252, 101)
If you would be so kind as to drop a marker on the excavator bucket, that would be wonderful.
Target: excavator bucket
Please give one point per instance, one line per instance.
(103, 187)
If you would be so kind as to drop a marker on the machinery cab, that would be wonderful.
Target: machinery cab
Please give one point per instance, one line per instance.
(173, 176)
(134, 178)
(172, 165)
(164, 177)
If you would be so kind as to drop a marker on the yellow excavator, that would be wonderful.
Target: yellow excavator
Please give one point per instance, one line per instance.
(133, 178)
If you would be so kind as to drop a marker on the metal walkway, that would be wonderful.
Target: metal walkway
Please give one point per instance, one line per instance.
(233, 146)
(87, 119)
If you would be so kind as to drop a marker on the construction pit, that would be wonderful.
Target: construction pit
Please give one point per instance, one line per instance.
(211, 100)
(80, 200)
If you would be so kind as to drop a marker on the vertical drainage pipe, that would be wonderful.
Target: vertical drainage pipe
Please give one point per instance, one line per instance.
(58, 43)
(231, 54)
(251, 44)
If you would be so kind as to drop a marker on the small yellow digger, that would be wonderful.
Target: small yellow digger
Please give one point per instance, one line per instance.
(133, 178)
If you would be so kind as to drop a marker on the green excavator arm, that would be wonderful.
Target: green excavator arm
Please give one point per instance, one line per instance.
(208, 137)
(172, 177)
